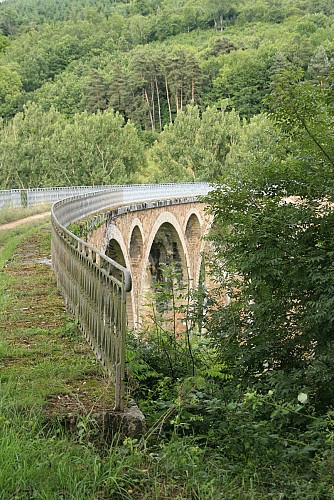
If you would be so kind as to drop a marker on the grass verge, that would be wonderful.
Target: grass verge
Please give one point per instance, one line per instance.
(11, 214)
(42, 355)
(197, 449)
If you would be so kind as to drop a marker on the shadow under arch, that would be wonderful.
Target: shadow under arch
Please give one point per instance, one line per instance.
(136, 245)
(193, 236)
(136, 250)
(193, 229)
(166, 252)
(114, 252)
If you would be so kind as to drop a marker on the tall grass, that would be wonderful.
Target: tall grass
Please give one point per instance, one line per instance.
(11, 214)
(40, 462)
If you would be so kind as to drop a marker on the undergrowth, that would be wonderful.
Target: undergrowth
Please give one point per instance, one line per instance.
(229, 443)
(223, 439)
(207, 437)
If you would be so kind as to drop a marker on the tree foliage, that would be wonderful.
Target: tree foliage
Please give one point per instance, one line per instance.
(150, 60)
(43, 148)
(163, 48)
(195, 145)
(273, 234)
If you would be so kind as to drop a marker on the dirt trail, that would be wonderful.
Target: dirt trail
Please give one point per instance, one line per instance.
(16, 223)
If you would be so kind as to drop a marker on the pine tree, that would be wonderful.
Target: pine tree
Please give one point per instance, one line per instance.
(319, 66)
(96, 93)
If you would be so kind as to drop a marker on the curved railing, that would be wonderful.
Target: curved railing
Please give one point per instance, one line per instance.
(93, 285)
(42, 196)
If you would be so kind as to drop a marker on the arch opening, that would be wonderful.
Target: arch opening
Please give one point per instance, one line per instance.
(166, 252)
(193, 228)
(136, 245)
(193, 233)
(114, 252)
(166, 270)
(136, 251)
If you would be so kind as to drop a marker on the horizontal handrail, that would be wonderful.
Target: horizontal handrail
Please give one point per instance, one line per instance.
(42, 196)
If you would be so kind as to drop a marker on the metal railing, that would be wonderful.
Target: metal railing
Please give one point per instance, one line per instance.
(42, 196)
(93, 285)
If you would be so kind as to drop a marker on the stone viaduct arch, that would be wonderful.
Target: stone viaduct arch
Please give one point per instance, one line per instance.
(146, 236)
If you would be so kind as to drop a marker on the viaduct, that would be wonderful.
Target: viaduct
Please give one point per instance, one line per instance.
(146, 235)
(125, 235)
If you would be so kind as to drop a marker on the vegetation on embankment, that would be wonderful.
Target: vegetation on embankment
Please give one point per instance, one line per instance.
(41, 347)
(12, 214)
(208, 438)
(48, 375)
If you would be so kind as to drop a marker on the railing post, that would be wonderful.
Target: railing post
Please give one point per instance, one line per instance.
(120, 367)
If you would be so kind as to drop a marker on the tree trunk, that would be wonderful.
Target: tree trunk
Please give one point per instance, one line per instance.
(168, 101)
(153, 106)
(159, 106)
(149, 109)
(176, 102)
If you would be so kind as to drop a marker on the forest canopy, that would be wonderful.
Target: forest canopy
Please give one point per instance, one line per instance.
(166, 69)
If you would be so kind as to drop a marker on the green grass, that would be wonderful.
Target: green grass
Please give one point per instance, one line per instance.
(11, 214)
(41, 350)
(9, 239)
(49, 377)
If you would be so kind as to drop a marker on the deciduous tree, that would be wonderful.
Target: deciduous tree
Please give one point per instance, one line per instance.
(273, 234)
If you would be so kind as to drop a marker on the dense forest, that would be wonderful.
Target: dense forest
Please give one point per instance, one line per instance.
(109, 92)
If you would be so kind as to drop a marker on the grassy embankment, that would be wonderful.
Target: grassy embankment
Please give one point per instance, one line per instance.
(11, 214)
(48, 372)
